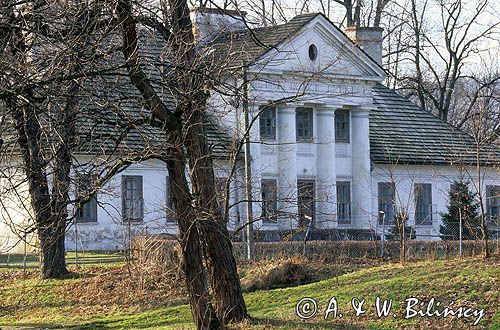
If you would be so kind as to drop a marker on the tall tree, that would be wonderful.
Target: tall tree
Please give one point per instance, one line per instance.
(185, 125)
(51, 61)
(439, 49)
(25, 87)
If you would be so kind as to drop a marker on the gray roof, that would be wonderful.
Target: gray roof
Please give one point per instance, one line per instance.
(113, 119)
(403, 133)
(246, 46)
(113, 125)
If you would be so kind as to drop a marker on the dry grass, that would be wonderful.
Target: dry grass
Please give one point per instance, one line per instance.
(113, 297)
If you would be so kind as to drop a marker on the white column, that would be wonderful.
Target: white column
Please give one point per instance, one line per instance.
(326, 192)
(361, 183)
(257, 165)
(287, 168)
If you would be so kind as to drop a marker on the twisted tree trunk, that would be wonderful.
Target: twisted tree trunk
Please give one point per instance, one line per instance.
(192, 265)
(223, 275)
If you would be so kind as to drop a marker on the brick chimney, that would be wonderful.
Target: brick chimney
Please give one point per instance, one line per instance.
(209, 22)
(368, 39)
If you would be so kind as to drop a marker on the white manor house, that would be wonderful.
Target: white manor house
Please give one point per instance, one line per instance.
(331, 147)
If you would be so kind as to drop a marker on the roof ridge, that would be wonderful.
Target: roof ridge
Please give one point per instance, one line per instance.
(243, 32)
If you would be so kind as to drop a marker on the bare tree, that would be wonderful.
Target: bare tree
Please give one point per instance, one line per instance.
(26, 84)
(438, 51)
(55, 99)
(202, 223)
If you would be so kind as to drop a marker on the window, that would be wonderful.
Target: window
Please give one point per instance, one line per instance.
(304, 124)
(344, 202)
(306, 207)
(313, 52)
(168, 201)
(132, 198)
(267, 121)
(220, 191)
(386, 196)
(423, 204)
(269, 199)
(88, 211)
(493, 205)
(342, 126)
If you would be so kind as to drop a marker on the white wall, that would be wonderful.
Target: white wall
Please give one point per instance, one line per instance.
(110, 232)
(440, 177)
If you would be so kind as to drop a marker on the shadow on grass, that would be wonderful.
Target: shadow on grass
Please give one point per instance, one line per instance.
(289, 324)
(127, 323)
(77, 275)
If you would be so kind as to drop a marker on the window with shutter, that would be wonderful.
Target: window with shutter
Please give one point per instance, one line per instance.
(267, 122)
(342, 126)
(306, 202)
(269, 189)
(304, 124)
(493, 205)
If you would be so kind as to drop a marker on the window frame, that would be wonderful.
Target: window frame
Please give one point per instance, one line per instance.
(493, 210)
(169, 205)
(139, 179)
(269, 186)
(302, 222)
(419, 196)
(220, 193)
(390, 209)
(91, 203)
(341, 186)
(267, 122)
(300, 113)
(343, 134)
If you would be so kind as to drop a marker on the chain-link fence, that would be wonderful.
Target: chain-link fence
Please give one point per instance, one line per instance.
(377, 243)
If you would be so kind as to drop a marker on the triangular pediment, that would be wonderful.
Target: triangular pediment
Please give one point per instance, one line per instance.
(335, 54)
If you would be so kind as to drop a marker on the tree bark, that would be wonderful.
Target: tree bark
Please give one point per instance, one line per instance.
(192, 265)
(52, 251)
(196, 278)
(50, 226)
(208, 227)
(223, 275)
(484, 226)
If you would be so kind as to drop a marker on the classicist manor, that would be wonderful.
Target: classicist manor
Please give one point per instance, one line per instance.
(331, 148)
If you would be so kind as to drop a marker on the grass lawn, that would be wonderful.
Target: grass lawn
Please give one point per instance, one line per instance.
(92, 301)
(18, 260)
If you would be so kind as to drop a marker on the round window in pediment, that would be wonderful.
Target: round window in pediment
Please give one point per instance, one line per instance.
(313, 52)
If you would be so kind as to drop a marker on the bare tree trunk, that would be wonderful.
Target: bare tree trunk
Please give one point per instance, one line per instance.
(223, 275)
(196, 277)
(349, 12)
(191, 98)
(484, 227)
(51, 227)
(402, 242)
(52, 250)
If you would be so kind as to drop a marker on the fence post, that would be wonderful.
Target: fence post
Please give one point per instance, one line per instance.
(25, 254)
(460, 230)
(382, 213)
(76, 242)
